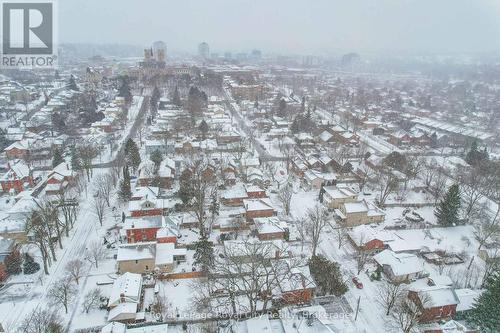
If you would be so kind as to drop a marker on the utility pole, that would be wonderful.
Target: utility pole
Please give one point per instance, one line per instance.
(357, 308)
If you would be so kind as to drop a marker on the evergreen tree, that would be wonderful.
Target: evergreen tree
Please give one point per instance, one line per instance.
(29, 265)
(204, 254)
(203, 128)
(125, 192)
(447, 210)
(13, 263)
(125, 91)
(156, 94)
(214, 205)
(327, 276)
(132, 154)
(4, 143)
(176, 99)
(321, 193)
(476, 157)
(295, 127)
(486, 311)
(303, 105)
(57, 158)
(72, 84)
(256, 103)
(75, 159)
(156, 157)
(186, 191)
(282, 108)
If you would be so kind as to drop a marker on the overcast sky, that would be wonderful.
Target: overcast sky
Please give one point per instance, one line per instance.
(287, 26)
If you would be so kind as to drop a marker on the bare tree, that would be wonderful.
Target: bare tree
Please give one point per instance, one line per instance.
(472, 185)
(37, 225)
(81, 184)
(74, 268)
(316, 222)
(95, 253)
(62, 292)
(248, 272)
(99, 206)
(285, 195)
(105, 187)
(160, 308)
(429, 172)
(438, 186)
(341, 233)
(388, 294)
(407, 313)
(87, 152)
(42, 320)
(68, 205)
(202, 187)
(487, 227)
(301, 225)
(362, 257)
(364, 174)
(386, 184)
(92, 299)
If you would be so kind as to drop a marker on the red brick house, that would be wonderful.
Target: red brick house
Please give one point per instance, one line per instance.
(17, 177)
(60, 177)
(234, 196)
(163, 177)
(145, 207)
(261, 207)
(255, 192)
(298, 288)
(17, 150)
(400, 138)
(269, 228)
(366, 238)
(436, 302)
(141, 229)
(8, 249)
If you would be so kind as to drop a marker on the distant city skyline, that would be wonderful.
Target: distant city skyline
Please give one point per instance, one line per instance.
(317, 27)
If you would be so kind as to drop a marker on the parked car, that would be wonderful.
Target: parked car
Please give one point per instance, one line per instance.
(358, 283)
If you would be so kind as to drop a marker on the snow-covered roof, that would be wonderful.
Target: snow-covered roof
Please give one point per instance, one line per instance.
(467, 298)
(136, 251)
(123, 312)
(438, 296)
(335, 192)
(128, 286)
(268, 225)
(258, 204)
(400, 263)
(165, 253)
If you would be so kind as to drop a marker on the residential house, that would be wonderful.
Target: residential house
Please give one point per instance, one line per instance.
(359, 212)
(17, 178)
(364, 237)
(436, 302)
(147, 257)
(261, 207)
(7, 248)
(269, 228)
(17, 150)
(399, 267)
(146, 207)
(126, 289)
(136, 258)
(59, 178)
(334, 196)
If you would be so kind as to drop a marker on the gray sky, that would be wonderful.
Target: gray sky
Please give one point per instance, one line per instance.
(287, 26)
